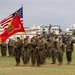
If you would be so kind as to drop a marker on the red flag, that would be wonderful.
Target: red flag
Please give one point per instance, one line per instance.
(14, 26)
(5, 21)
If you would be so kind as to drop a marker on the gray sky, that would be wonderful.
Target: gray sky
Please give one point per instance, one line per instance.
(55, 12)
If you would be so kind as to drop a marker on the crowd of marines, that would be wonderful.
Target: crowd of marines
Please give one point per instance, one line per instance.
(38, 50)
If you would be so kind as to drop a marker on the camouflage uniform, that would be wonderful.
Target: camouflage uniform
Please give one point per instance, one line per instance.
(60, 50)
(53, 50)
(39, 48)
(48, 48)
(10, 47)
(44, 50)
(25, 52)
(17, 51)
(33, 52)
(3, 49)
(69, 50)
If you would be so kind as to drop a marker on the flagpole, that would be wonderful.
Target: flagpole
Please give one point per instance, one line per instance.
(21, 5)
(23, 20)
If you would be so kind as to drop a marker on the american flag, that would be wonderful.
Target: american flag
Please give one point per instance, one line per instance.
(4, 23)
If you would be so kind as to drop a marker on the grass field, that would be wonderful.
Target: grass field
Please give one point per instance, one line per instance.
(7, 67)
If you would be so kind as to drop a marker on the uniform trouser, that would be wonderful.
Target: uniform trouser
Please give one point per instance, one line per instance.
(25, 57)
(17, 56)
(53, 56)
(3, 52)
(44, 56)
(17, 60)
(40, 58)
(33, 58)
(69, 56)
(10, 50)
(60, 56)
(48, 53)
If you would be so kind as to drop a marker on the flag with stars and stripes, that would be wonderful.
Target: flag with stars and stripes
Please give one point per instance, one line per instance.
(12, 24)
(4, 23)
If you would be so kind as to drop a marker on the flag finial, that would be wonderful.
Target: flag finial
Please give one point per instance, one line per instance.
(22, 5)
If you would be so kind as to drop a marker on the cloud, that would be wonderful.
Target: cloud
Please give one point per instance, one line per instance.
(52, 11)
(37, 12)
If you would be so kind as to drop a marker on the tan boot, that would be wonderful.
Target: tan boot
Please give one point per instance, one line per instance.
(16, 64)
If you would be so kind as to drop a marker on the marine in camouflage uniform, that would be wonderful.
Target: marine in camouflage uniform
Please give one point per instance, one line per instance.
(10, 48)
(39, 48)
(3, 49)
(69, 50)
(44, 50)
(25, 52)
(53, 49)
(33, 52)
(17, 51)
(60, 51)
(48, 48)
